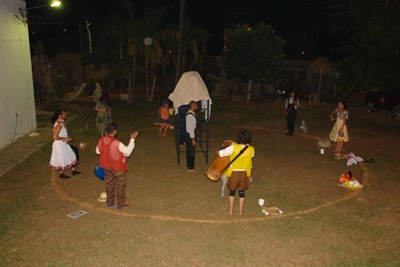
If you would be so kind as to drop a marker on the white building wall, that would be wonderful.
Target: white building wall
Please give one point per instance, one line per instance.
(17, 103)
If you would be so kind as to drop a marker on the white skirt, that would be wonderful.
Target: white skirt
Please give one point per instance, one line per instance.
(62, 156)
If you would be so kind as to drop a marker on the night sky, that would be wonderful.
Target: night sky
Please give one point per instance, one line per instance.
(302, 23)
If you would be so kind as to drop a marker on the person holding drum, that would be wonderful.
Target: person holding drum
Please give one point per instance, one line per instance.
(239, 172)
(190, 137)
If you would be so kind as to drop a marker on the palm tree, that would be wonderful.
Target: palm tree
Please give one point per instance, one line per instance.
(134, 44)
(193, 41)
(180, 37)
(153, 18)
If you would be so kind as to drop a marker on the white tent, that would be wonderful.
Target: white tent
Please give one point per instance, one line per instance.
(190, 87)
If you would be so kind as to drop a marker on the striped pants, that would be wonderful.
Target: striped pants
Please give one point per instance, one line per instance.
(115, 183)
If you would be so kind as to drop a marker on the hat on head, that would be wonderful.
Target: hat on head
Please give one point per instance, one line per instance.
(103, 197)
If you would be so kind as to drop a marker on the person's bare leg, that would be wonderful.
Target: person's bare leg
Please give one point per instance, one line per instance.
(165, 130)
(241, 205)
(231, 201)
(340, 146)
(337, 147)
(161, 128)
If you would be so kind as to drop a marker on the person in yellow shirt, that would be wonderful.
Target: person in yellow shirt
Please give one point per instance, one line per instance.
(239, 172)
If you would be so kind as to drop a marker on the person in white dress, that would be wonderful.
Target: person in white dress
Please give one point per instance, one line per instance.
(62, 156)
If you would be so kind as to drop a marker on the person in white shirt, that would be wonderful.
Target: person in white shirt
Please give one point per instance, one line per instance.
(62, 155)
(113, 155)
(190, 136)
(291, 106)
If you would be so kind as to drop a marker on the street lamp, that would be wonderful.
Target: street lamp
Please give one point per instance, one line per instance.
(24, 11)
(55, 4)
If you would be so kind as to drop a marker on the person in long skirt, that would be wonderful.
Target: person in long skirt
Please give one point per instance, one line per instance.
(62, 156)
(339, 133)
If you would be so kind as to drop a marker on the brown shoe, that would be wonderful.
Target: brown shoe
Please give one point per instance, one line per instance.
(193, 170)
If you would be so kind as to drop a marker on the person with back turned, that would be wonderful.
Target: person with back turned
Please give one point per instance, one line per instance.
(239, 171)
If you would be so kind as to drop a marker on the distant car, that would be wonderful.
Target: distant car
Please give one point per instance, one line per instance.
(383, 101)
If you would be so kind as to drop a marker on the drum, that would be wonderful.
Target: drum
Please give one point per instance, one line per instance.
(217, 167)
(99, 172)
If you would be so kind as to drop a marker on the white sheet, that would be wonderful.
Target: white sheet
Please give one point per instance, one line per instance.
(190, 87)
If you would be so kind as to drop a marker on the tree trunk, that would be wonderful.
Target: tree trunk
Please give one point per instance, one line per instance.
(147, 73)
(180, 39)
(249, 90)
(83, 70)
(257, 92)
(132, 88)
(183, 57)
(152, 89)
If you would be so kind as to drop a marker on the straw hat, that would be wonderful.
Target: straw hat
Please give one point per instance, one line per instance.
(103, 197)
(325, 143)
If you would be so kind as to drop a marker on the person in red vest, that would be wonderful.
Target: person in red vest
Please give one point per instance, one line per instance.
(113, 155)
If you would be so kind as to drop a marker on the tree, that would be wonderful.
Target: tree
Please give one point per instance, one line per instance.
(109, 48)
(370, 45)
(141, 45)
(122, 44)
(153, 23)
(180, 40)
(253, 54)
(193, 41)
(44, 72)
